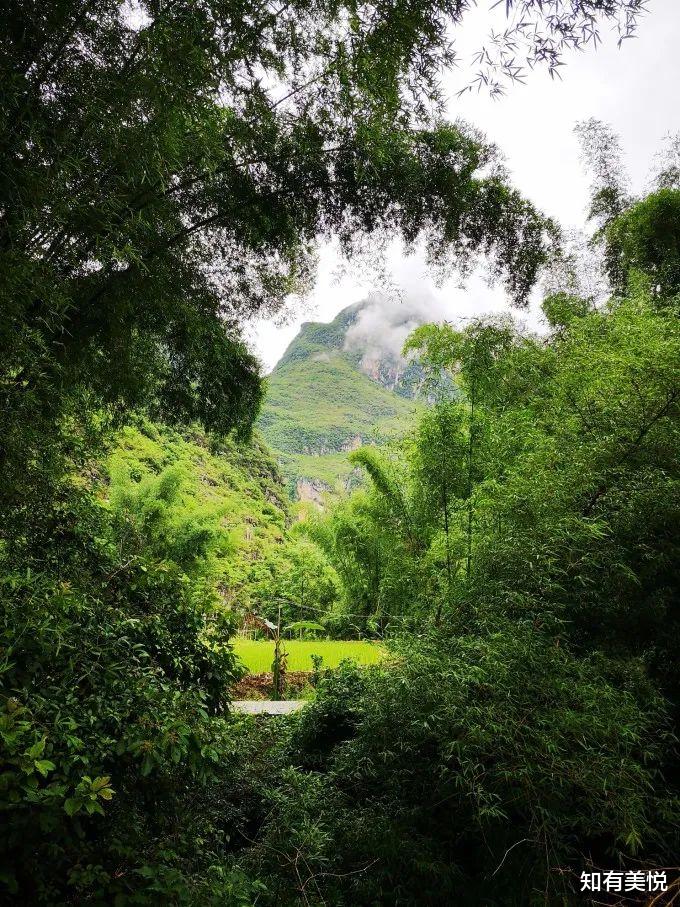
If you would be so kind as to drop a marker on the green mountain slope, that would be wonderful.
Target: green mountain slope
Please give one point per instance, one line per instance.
(327, 396)
(217, 506)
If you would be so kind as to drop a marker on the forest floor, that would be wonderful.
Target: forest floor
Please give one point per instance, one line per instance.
(296, 684)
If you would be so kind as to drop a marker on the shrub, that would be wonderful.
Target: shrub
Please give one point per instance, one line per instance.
(470, 770)
(109, 718)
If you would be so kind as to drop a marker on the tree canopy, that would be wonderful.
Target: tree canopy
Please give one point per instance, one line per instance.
(166, 168)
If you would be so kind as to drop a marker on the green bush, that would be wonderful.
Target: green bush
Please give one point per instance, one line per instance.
(111, 739)
(471, 770)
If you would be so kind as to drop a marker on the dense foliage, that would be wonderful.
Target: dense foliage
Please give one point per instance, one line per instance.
(479, 768)
(214, 509)
(113, 681)
(165, 171)
(525, 539)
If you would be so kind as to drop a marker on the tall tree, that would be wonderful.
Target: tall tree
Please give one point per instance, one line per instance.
(438, 458)
(466, 358)
(639, 236)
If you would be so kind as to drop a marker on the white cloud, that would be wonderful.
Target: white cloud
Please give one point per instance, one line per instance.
(384, 323)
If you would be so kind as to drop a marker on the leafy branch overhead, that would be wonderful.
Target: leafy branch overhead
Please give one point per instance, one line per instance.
(168, 167)
(539, 32)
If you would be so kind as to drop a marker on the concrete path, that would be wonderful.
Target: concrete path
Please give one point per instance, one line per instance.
(267, 706)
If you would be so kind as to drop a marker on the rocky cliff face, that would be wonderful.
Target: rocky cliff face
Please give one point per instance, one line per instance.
(338, 386)
(310, 490)
(393, 373)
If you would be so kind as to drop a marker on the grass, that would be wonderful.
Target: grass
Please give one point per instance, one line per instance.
(257, 655)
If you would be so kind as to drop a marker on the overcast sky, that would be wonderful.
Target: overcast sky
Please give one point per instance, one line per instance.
(634, 89)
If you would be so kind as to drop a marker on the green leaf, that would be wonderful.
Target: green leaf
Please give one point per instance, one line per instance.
(304, 625)
(72, 805)
(101, 782)
(37, 749)
(44, 766)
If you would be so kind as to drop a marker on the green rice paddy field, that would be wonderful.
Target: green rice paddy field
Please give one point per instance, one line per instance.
(257, 654)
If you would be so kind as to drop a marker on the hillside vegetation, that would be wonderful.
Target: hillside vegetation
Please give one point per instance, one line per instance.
(213, 507)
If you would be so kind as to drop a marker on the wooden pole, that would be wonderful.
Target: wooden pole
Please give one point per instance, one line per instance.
(276, 667)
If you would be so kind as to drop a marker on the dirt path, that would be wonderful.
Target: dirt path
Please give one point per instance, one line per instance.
(267, 706)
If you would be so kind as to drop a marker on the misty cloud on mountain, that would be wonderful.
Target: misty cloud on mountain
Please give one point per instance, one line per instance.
(382, 324)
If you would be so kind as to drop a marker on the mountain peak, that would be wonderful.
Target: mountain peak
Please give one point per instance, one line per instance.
(371, 334)
(340, 384)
